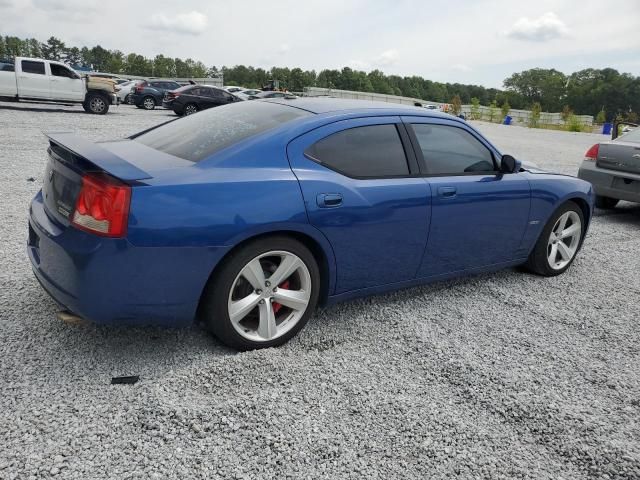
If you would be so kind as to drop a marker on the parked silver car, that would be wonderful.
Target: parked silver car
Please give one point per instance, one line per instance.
(613, 167)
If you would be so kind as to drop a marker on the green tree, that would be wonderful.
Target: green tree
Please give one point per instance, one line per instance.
(493, 111)
(545, 86)
(601, 117)
(505, 108)
(534, 116)
(53, 49)
(456, 105)
(566, 113)
(475, 108)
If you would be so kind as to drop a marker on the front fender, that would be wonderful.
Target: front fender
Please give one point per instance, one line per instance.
(550, 191)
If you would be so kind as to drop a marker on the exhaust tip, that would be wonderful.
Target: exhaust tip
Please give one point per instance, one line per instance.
(65, 316)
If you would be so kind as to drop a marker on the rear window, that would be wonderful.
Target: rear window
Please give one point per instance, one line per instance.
(199, 136)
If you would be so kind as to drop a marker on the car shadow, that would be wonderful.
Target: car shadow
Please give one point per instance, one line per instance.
(56, 109)
(625, 212)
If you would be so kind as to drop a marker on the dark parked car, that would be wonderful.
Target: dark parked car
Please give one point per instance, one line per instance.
(613, 168)
(271, 95)
(149, 94)
(192, 98)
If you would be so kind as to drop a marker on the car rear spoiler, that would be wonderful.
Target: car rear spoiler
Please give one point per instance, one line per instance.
(98, 156)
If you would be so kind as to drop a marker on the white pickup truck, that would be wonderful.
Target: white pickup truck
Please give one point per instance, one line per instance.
(39, 80)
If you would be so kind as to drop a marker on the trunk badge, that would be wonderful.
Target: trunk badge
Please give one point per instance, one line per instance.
(637, 155)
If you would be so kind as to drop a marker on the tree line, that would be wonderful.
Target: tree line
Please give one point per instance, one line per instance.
(605, 93)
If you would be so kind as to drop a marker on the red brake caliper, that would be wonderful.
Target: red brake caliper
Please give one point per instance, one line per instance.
(277, 306)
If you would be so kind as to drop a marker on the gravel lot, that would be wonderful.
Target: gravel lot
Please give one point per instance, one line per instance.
(506, 375)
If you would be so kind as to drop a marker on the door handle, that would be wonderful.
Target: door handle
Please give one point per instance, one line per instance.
(329, 200)
(447, 192)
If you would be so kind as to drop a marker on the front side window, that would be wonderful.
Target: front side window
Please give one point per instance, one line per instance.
(61, 71)
(372, 151)
(452, 150)
(29, 66)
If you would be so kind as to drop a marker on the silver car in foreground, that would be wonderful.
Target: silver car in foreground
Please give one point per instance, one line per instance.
(613, 167)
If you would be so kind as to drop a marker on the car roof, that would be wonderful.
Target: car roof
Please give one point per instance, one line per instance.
(322, 105)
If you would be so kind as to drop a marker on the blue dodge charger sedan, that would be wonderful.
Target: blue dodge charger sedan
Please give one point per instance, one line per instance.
(247, 216)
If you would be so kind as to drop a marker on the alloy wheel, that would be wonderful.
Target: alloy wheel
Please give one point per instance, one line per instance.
(97, 105)
(269, 296)
(564, 240)
(190, 109)
(149, 103)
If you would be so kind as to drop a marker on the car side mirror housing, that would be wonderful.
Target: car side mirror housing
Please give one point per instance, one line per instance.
(508, 164)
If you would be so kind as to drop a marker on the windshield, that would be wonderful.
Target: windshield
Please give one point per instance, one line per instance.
(632, 136)
(197, 137)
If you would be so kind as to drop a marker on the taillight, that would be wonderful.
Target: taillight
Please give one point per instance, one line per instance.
(102, 206)
(592, 153)
(139, 88)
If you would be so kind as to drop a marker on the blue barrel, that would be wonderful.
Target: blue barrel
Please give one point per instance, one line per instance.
(507, 120)
(606, 128)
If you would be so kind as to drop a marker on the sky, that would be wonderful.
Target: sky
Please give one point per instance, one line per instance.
(466, 41)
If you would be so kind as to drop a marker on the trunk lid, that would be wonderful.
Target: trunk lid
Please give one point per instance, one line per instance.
(619, 155)
(71, 156)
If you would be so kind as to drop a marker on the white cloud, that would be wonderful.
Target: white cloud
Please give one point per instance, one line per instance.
(284, 48)
(542, 29)
(386, 58)
(192, 23)
(5, 3)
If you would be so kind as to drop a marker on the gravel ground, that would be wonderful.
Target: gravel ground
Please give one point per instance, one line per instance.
(506, 375)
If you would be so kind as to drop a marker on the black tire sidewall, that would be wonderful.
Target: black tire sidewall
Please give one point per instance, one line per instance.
(538, 261)
(215, 298)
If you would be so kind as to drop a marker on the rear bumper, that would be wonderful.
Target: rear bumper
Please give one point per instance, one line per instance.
(611, 183)
(111, 281)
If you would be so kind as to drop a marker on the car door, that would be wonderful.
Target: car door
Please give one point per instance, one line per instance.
(479, 215)
(207, 97)
(33, 81)
(65, 84)
(362, 190)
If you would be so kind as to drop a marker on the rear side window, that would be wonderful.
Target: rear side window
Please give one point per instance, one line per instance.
(363, 152)
(197, 137)
(6, 67)
(29, 66)
(452, 150)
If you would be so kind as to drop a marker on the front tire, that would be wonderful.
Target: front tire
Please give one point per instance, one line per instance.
(148, 103)
(606, 203)
(559, 242)
(263, 294)
(127, 99)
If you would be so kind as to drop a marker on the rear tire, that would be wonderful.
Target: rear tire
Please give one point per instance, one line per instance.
(549, 258)
(190, 109)
(606, 203)
(148, 103)
(265, 322)
(127, 99)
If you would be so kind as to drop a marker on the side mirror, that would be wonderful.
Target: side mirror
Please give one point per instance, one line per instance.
(508, 164)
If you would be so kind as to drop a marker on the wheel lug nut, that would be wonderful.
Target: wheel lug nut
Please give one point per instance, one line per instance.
(275, 289)
(259, 292)
(267, 283)
(261, 302)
